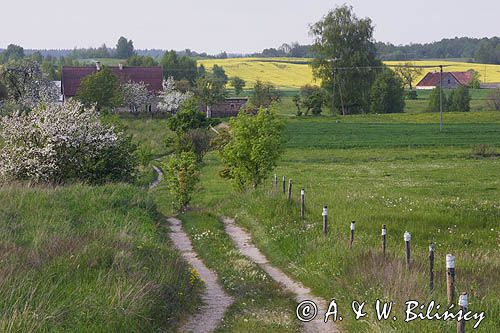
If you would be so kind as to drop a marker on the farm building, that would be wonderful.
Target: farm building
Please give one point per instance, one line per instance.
(71, 77)
(450, 80)
(227, 108)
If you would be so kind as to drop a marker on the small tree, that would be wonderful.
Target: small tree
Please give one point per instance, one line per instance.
(101, 89)
(459, 100)
(196, 140)
(475, 82)
(494, 99)
(170, 99)
(210, 92)
(253, 148)
(189, 117)
(264, 94)
(182, 175)
(136, 95)
(434, 100)
(313, 99)
(387, 93)
(408, 73)
(298, 104)
(124, 48)
(219, 74)
(238, 84)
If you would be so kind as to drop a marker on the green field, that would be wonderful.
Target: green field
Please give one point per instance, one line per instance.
(396, 170)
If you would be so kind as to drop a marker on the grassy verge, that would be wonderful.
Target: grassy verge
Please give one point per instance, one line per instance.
(260, 305)
(88, 259)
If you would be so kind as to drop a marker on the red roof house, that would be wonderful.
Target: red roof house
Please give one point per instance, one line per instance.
(450, 80)
(72, 76)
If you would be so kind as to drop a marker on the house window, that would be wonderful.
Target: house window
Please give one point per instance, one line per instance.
(232, 106)
(449, 81)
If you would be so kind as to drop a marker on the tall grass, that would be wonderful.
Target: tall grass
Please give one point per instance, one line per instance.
(88, 259)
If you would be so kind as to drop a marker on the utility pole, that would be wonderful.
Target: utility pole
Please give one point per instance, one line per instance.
(440, 97)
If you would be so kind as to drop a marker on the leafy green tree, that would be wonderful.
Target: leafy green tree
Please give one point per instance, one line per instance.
(475, 82)
(342, 40)
(196, 140)
(408, 73)
(264, 94)
(3, 92)
(434, 99)
(124, 48)
(254, 147)
(459, 99)
(182, 174)
(494, 99)
(210, 92)
(387, 93)
(13, 52)
(202, 71)
(141, 61)
(219, 74)
(298, 104)
(313, 99)
(101, 89)
(179, 67)
(189, 117)
(238, 84)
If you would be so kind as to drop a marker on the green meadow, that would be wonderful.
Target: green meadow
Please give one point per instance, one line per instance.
(398, 170)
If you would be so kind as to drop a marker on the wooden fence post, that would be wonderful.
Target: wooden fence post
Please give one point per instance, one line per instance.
(463, 302)
(325, 220)
(290, 189)
(431, 266)
(284, 184)
(407, 238)
(450, 278)
(351, 239)
(302, 203)
(384, 233)
(275, 182)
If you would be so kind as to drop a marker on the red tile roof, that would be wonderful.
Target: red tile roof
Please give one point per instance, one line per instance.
(431, 79)
(151, 76)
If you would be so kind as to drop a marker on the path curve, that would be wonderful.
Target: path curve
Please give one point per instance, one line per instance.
(215, 300)
(243, 242)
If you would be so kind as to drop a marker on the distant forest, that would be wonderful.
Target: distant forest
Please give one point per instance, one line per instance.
(482, 50)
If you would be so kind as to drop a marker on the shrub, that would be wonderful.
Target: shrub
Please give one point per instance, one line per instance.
(433, 105)
(264, 94)
(182, 175)
(55, 143)
(387, 93)
(483, 150)
(196, 140)
(494, 99)
(459, 100)
(188, 117)
(313, 99)
(411, 94)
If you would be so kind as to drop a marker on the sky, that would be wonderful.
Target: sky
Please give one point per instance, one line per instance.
(234, 26)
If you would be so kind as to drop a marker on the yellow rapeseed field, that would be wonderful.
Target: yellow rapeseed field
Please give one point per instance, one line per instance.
(294, 72)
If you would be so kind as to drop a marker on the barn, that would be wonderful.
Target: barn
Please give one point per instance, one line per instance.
(450, 80)
(227, 108)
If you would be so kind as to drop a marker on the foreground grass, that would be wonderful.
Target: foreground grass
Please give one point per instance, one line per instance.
(88, 259)
(436, 190)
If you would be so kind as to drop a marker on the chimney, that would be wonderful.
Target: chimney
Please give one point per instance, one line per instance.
(98, 65)
(120, 66)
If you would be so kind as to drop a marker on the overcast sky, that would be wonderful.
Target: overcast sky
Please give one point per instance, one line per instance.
(230, 25)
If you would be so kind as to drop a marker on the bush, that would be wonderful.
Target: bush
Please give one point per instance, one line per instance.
(459, 100)
(264, 94)
(182, 175)
(313, 99)
(434, 101)
(494, 99)
(196, 140)
(55, 143)
(411, 94)
(188, 117)
(483, 150)
(387, 93)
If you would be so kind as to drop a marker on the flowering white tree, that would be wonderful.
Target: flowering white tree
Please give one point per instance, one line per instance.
(136, 95)
(170, 99)
(27, 86)
(54, 143)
